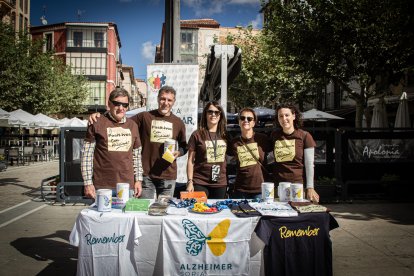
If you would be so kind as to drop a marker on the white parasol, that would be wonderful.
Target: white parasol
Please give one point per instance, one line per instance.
(402, 119)
(317, 115)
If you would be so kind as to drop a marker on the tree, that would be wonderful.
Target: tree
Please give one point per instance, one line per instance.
(35, 81)
(353, 41)
(267, 77)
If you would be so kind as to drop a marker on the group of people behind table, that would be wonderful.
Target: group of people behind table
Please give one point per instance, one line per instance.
(118, 150)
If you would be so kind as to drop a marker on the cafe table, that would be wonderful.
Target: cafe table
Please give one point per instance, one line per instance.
(135, 243)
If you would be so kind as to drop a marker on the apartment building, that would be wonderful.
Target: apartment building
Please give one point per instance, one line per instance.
(92, 50)
(16, 13)
(135, 87)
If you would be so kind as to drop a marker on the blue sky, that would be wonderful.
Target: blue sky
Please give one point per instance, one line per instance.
(140, 21)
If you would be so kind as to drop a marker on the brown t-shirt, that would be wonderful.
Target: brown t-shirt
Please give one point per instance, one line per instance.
(205, 157)
(112, 160)
(289, 154)
(154, 129)
(249, 176)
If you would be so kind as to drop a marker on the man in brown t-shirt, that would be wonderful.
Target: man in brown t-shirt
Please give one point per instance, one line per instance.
(154, 128)
(112, 149)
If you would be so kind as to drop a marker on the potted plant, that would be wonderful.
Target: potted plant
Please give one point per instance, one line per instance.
(326, 188)
(3, 163)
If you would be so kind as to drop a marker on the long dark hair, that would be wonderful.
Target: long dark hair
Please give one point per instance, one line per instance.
(297, 123)
(221, 127)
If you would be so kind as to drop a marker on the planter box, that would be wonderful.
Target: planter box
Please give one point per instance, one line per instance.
(3, 165)
(327, 192)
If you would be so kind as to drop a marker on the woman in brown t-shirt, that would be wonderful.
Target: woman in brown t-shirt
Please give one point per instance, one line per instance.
(206, 165)
(250, 150)
(293, 149)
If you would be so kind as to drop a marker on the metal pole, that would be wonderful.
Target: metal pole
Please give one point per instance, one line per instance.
(223, 52)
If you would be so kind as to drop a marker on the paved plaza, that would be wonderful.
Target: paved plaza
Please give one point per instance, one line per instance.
(374, 238)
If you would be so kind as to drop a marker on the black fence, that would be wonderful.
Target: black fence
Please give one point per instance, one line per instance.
(349, 163)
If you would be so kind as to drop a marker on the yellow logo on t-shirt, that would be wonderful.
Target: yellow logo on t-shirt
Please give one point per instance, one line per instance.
(119, 139)
(160, 131)
(284, 150)
(220, 151)
(245, 156)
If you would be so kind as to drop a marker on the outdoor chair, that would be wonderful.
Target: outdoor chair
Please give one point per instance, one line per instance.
(14, 155)
(28, 155)
(39, 153)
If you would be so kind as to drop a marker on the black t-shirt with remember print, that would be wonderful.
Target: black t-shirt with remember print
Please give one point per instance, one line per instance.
(288, 151)
(297, 245)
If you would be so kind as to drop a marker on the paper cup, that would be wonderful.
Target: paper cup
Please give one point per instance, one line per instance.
(268, 191)
(122, 192)
(283, 191)
(296, 191)
(104, 200)
(169, 144)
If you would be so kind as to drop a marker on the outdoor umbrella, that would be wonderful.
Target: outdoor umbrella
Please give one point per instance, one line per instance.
(135, 111)
(74, 122)
(402, 119)
(317, 115)
(379, 117)
(49, 122)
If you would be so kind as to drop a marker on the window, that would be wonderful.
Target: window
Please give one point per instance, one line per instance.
(90, 64)
(26, 6)
(189, 46)
(97, 91)
(21, 27)
(77, 39)
(99, 39)
(48, 42)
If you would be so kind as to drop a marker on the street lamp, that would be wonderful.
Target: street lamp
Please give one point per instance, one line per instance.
(96, 100)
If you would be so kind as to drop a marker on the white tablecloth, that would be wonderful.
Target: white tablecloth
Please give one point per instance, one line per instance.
(147, 251)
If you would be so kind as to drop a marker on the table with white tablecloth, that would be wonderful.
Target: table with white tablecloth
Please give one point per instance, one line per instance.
(132, 243)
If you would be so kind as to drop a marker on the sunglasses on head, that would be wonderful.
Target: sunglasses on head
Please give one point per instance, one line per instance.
(213, 112)
(243, 118)
(115, 103)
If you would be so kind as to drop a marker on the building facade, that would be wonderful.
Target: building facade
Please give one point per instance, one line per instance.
(90, 49)
(16, 13)
(196, 38)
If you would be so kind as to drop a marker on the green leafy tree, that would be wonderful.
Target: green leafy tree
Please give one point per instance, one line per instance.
(35, 81)
(349, 42)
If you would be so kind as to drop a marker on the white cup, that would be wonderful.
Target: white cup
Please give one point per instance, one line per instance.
(122, 192)
(104, 200)
(296, 191)
(283, 191)
(169, 144)
(268, 191)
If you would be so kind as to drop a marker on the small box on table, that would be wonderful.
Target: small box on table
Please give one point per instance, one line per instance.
(199, 196)
(137, 204)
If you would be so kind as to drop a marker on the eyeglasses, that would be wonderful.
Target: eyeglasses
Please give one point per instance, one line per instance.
(115, 103)
(213, 112)
(243, 118)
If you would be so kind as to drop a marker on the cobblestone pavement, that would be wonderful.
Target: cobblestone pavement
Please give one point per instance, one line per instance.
(374, 237)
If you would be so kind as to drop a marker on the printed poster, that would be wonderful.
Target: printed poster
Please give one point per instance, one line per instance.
(184, 79)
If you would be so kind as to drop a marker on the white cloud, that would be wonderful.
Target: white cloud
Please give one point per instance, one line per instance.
(242, 2)
(257, 22)
(148, 51)
(205, 8)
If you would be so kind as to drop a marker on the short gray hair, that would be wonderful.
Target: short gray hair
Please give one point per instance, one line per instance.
(119, 92)
(167, 89)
